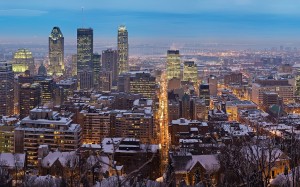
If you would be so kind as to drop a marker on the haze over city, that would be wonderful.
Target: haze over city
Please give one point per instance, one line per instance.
(136, 93)
(253, 23)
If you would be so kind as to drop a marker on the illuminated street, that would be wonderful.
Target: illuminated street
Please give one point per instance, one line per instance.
(164, 138)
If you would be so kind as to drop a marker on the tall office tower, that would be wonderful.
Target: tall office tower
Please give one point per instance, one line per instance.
(142, 83)
(185, 107)
(44, 126)
(85, 64)
(190, 72)
(56, 52)
(105, 81)
(86, 79)
(74, 65)
(22, 61)
(110, 63)
(213, 85)
(204, 94)
(96, 68)
(30, 97)
(173, 64)
(123, 66)
(6, 89)
(47, 89)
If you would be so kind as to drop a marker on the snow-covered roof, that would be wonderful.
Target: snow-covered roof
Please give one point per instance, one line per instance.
(63, 157)
(186, 162)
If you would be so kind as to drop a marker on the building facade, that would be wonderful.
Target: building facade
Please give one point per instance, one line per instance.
(190, 72)
(30, 97)
(44, 126)
(110, 62)
(84, 55)
(56, 52)
(6, 89)
(142, 83)
(123, 48)
(22, 61)
(173, 64)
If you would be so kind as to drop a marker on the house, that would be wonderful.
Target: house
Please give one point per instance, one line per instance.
(187, 166)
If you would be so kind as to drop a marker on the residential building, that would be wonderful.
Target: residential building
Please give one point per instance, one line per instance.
(44, 126)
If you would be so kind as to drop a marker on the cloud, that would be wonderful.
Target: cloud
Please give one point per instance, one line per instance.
(22, 12)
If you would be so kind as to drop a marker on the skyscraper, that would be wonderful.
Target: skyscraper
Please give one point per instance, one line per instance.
(96, 67)
(30, 97)
(22, 61)
(173, 64)
(85, 55)
(142, 83)
(190, 72)
(213, 85)
(56, 52)
(123, 49)
(110, 62)
(6, 89)
(105, 81)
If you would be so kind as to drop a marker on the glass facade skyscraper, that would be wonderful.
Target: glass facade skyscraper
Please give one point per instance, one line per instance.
(56, 52)
(6, 89)
(85, 63)
(173, 64)
(123, 50)
(84, 49)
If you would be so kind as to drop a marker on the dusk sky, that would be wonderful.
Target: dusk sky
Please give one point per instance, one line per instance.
(215, 20)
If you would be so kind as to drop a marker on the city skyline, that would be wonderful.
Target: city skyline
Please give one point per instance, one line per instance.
(230, 21)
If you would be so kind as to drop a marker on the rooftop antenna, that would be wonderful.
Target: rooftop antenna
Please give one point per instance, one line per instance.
(82, 16)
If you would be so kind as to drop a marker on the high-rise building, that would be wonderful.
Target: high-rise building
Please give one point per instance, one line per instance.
(123, 49)
(22, 61)
(74, 65)
(135, 124)
(96, 67)
(95, 125)
(185, 107)
(105, 81)
(190, 71)
(110, 63)
(142, 83)
(85, 63)
(30, 97)
(204, 94)
(47, 88)
(44, 126)
(213, 85)
(86, 79)
(56, 52)
(173, 64)
(6, 89)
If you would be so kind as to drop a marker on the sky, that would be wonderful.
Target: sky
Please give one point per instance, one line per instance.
(276, 21)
